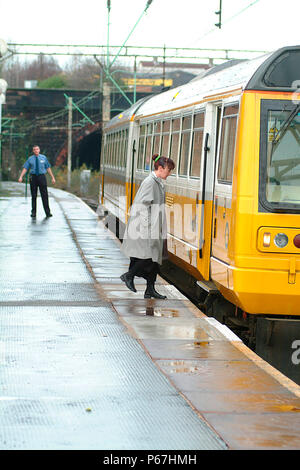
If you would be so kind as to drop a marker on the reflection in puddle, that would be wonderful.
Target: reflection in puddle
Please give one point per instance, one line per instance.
(182, 367)
(159, 312)
(286, 408)
(197, 344)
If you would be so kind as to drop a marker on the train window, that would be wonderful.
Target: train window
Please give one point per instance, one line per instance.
(157, 126)
(156, 144)
(118, 149)
(175, 138)
(166, 126)
(199, 120)
(156, 141)
(115, 149)
(104, 152)
(185, 145)
(165, 138)
(140, 160)
(186, 122)
(125, 147)
(114, 156)
(110, 150)
(227, 144)
(148, 153)
(165, 145)
(121, 149)
(279, 156)
(175, 124)
(148, 149)
(197, 141)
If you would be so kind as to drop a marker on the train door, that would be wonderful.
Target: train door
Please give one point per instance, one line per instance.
(205, 203)
(131, 165)
(103, 160)
(222, 199)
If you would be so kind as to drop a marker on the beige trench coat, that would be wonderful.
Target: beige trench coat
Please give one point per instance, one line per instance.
(146, 232)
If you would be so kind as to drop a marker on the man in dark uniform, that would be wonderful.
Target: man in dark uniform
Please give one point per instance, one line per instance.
(38, 166)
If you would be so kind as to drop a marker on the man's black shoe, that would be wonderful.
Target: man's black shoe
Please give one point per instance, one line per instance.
(128, 281)
(33, 215)
(49, 215)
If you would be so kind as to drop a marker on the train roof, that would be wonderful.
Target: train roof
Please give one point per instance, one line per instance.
(126, 115)
(277, 71)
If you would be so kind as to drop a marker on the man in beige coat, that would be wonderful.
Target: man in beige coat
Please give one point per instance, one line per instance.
(145, 237)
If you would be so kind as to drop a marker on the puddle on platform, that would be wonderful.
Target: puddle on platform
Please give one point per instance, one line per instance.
(160, 312)
(197, 344)
(286, 408)
(182, 367)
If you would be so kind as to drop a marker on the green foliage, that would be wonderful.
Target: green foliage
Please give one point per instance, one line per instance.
(56, 81)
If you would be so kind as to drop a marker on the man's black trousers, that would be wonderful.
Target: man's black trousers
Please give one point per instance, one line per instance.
(39, 181)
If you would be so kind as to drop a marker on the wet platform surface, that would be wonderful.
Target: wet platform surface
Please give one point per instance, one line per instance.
(87, 364)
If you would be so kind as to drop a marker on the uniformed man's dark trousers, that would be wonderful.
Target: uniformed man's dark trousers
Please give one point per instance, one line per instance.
(39, 181)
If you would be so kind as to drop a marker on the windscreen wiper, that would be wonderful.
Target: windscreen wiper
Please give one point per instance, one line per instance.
(277, 137)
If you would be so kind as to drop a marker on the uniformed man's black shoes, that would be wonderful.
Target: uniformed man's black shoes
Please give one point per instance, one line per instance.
(33, 215)
(128, 281)
(49, 215)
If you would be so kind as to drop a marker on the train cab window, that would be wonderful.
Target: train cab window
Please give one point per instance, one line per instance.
(227, 144)
(197, 141)
(175, 138)
(185, 145)
(279, 156)
(165, 138)
(148, 149)
(140, 160)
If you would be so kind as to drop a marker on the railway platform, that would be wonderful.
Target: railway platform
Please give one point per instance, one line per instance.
(88, 365)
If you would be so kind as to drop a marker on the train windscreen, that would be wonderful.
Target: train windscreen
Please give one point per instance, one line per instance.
(280, 156)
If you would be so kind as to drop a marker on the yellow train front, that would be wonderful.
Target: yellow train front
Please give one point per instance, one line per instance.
(233, 202)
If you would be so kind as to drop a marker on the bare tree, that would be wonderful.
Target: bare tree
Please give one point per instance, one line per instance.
(15, 71)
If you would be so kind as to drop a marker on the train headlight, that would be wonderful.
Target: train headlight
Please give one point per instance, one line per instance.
(267, 239)
(297, 240)
(281, 240)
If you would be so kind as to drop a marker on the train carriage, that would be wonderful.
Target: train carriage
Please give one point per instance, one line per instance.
(233, 202)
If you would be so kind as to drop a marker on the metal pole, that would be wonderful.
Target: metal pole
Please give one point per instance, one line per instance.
(26, 175)
(164, 67)
(107, 51)
(10, 147)
(69, 140)
(108, 76)
(106, 102)
(0, 141)
(134, 85)
(144, 11)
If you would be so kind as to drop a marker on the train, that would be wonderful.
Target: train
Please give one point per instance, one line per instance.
(233, 200)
